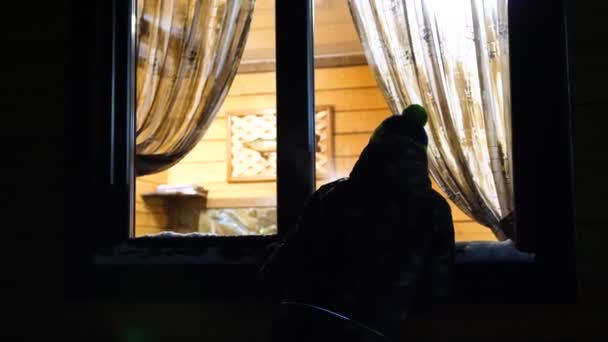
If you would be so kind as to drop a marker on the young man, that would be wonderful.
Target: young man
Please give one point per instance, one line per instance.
(371, 246)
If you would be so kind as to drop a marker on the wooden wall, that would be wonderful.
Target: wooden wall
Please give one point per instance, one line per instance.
(150, 216)
(359, 107)
(334, 31)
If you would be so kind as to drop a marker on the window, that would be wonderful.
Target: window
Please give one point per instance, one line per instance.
(225, 185)
(361, 94)
(101, 148)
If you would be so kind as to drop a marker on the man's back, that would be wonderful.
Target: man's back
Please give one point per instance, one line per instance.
(357, 253)
(366, 245)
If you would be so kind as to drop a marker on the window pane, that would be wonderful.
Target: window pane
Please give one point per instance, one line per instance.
(402, 69)
(230, 173)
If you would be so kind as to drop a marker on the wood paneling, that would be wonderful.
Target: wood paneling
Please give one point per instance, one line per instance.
(155, 206)
(207, 152)
(242, 190)
(368, 98)
(199, 172)
(217, 130)
(144, 185)
(472, 231)
(364, 121)
(150, 216)
(325, 79)
(144, 230)
(148, 219)
(242, 202)
(334, 31)
(349, 145)
(345, 125)
(332, 38)
(359, 108)
(344, 78)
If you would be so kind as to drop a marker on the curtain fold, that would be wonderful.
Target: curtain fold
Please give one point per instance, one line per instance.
(452, 57)
(188, 52)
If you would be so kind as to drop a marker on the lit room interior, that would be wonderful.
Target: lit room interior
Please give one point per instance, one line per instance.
(225, 184)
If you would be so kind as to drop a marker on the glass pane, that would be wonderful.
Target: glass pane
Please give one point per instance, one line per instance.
(396, 63)
(226, 184)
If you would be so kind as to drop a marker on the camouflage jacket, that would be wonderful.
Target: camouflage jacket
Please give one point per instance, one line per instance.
(372, 245)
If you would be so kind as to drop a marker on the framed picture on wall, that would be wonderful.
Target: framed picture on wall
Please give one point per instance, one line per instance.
(252, 144)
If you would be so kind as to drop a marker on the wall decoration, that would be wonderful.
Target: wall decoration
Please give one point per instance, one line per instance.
(252, 145)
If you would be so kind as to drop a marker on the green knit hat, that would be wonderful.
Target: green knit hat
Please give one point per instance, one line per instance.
(409, 125)
(416, 114)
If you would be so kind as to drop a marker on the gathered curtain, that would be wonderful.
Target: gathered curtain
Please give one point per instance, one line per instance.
(452, 57)
(188, 52)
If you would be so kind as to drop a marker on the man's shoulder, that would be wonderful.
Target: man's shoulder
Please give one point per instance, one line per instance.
(331, 189)
(439, 199)
(333, 185)
(431, 196)
(432, 202)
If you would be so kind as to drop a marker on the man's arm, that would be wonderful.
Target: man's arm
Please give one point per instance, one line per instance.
(293, 248)
(427, 257)
(440, 265)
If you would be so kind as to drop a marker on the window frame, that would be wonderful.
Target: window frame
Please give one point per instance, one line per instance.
(101, 154)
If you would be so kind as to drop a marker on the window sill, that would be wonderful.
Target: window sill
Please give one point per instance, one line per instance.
(194, 248)
(206, 250)
(223, 267)
(490, 252)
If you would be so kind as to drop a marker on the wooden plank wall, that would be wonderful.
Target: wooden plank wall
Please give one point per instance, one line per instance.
(150, 216)
(335, 32)
(359, 107)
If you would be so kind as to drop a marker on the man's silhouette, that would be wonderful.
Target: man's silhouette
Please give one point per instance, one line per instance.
(371, 246)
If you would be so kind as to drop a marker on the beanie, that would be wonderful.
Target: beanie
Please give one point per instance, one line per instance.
(409, 125)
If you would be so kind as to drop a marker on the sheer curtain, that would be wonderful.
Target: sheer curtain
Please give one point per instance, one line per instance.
(452, 57)
(188, 52)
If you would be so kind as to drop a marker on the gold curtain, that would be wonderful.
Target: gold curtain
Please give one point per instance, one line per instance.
(188, 52)
(452, 57)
